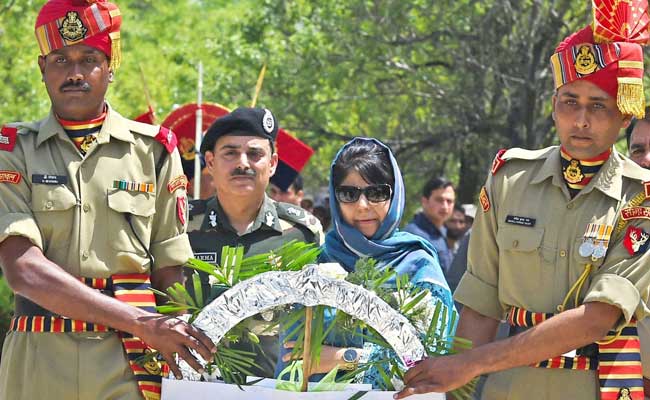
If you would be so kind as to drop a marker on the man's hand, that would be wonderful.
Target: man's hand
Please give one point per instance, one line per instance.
(440, 374)
(170, 335)
(33, 276)
(564, 332)
(330, 357)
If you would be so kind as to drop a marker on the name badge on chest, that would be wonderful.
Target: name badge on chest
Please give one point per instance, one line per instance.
(517, 220)
(45, 179)
(595, 241)
(207, 257)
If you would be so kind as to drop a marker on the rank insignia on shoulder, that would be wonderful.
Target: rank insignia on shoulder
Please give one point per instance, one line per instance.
(10, 177)
(498, 161)
(636, 240)
(484, 199)
(178, 182)
(646, 189)
(8, 138)
(167, 138)
(294, 211)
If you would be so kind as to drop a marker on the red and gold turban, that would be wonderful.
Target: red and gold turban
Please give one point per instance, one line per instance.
(95, 23)
(608, 53)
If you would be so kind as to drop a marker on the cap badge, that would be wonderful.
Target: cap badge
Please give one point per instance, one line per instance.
(585, 61)
(267, 121)
(72, 29)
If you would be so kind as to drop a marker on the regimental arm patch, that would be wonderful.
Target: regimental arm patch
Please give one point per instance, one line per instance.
(636, 240)
(8, 138)
(498, 161)
(176, 183)
(10, 177)
(484, 199)
(167, 138)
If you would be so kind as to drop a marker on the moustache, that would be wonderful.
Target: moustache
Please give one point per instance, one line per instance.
(243, 172)
(84, 86)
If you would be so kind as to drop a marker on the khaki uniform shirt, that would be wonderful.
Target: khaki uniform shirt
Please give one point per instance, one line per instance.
(78, 220)
(532, 265)
(276, 224)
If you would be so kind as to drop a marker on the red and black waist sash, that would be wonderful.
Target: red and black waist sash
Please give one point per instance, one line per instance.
(133, 289)
(617, 359)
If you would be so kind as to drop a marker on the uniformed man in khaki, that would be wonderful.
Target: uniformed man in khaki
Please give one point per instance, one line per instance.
(560, 248)
(239, 150)
(84, 199)
(638, 146)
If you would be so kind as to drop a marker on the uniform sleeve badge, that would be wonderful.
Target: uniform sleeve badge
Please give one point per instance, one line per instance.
(484, 199)
(498, 161)
(176, 183)
(8, 138)
(10, 177)
(636, 240)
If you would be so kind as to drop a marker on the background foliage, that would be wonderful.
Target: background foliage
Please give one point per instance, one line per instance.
(446, 83)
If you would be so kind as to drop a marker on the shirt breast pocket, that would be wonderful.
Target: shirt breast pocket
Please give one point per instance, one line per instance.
(53, 207)
(521, 255)
(130, 220)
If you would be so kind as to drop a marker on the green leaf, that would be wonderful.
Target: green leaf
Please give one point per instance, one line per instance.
(198, 290)
(414, 302)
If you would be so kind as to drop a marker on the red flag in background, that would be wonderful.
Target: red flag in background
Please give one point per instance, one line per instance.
(293, 155)
(148, 118)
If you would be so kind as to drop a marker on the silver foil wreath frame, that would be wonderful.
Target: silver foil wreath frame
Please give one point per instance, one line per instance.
(309, 287)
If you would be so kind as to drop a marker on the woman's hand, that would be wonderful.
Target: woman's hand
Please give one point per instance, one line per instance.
(330, 357)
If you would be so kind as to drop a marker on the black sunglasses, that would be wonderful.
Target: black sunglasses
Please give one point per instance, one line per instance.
(373, 193)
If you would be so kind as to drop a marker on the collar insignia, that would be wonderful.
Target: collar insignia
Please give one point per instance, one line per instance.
(573, 173)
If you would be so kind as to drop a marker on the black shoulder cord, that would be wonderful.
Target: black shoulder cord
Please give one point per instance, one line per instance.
(127, 216)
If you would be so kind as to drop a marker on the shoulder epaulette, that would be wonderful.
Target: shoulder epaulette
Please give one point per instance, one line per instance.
(8, 137)
(498, 161)
(162, 135)
(298, 215)
(142, 128)
(517, 153)
(167, 138)
(524, 154)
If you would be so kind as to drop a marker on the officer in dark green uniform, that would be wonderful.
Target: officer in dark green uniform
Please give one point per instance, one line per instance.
(239, 150)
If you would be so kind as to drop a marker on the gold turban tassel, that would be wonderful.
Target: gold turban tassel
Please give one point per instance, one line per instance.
(630, 98)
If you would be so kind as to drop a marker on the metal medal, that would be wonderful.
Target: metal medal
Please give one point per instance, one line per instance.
(586, 248)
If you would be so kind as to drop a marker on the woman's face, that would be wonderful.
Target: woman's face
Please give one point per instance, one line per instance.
(363, 215)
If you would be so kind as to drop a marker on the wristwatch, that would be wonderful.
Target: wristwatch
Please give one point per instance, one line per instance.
(350, 360)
